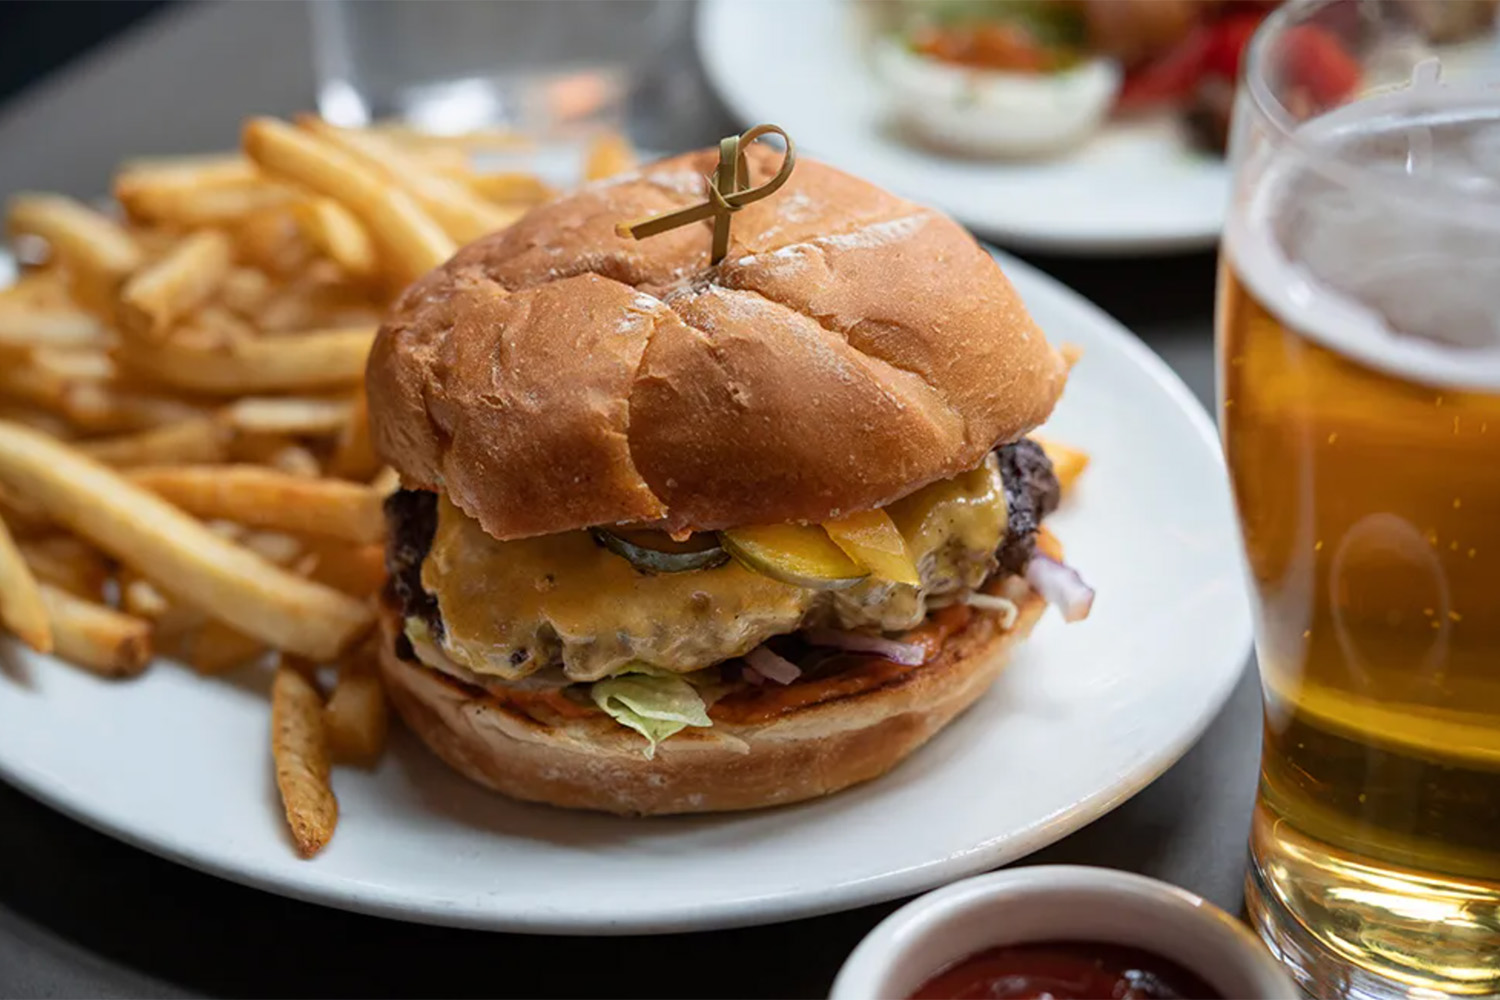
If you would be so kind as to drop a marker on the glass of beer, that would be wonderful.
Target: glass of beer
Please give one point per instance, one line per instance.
(1359, 381)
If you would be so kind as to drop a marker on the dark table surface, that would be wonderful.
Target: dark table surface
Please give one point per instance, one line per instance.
(84, 915)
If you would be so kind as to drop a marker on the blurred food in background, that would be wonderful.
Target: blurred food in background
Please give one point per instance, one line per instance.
(1028, 78)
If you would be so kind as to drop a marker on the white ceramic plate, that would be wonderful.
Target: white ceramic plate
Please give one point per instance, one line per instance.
(1131, 188)
(1085, 716)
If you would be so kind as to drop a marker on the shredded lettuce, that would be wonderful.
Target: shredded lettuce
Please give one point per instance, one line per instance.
(653, 703)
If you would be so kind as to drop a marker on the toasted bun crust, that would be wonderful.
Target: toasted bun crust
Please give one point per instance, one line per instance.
(851, 348)
(594, 763)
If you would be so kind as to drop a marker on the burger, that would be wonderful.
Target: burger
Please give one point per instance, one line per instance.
(682, 537)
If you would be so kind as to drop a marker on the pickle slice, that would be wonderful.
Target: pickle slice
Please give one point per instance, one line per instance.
(802, 555)
(870, 537)
(656, 552)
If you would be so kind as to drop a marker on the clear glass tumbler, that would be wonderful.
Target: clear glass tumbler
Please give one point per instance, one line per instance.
(1359, 353)
(548, 68)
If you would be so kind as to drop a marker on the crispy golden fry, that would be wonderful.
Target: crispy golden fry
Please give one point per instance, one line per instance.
(141, 598)
(95, 637)
(356, 570)
(354, 457)
(335, 232)
(299, 748)
(178, 553)
(68, 563)
(245, 291)
(50, 327)
(270, 239)
(412, 241)
(214, 648)
(44, 289)
(192, 192)
(355, 718)
(416, 140)
(85, 364)
(103, 408)
(203, 440)
(386, 481)
(47, 423)
(287, 415)
(21, 607)
(462, 214)
(311, 360)
(1067, 462)
(273, 546)
(320, 297)
(265, 498)
(158, 295)
(609, 154)
(97, 250)
(510, 187)
(25, 517)
(295, 460)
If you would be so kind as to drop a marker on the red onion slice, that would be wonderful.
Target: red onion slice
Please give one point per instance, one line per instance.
(772, 667)
(1060, 585)
(906, 653)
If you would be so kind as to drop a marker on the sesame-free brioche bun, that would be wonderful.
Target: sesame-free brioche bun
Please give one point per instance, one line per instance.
(829, 742)
(851, 348)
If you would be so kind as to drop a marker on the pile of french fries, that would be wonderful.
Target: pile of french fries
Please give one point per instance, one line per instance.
(185, 461)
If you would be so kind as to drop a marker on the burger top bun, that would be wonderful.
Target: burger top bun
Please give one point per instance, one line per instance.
(851, 348)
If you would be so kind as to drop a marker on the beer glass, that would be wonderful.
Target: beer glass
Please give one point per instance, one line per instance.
(1359, 383)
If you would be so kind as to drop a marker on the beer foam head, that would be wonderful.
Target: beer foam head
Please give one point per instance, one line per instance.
(1394, 259)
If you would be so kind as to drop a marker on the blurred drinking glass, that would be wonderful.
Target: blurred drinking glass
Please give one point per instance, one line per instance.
(1359, 352)
(554, 69)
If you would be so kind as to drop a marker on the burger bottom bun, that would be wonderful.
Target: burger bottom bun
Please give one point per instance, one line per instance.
(595, 763)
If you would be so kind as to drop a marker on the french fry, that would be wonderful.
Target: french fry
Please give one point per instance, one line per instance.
(203, 440)
(156, 296)
(317, 298)
(287, 415)
(74, 363)
(21, 607)
(68, 563)
(414, 243)
(510, 187)
(101, 408)
(330, 228)
(141, 598)
(461, 213)
(355, 718)
(299, 748)
(386, 481)
(95, 637)
(98, 251)
(295, 460)
(214, 648)
(354, 456)
(192, 192)
(609, 154)
(25, 517)
(50, 327)
(273, 546)
(312, 360)
(245, 291)
(47, 423)
(266, 498)
(179, 554)
(356, 570)
(1068, 463)
(270, 239)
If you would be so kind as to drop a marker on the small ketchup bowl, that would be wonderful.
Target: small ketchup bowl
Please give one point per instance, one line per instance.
(1059, 903)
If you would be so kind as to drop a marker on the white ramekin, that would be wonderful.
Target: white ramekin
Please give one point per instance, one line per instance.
(1059, 903)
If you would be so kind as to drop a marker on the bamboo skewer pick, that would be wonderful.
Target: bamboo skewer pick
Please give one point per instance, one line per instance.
(727, 192)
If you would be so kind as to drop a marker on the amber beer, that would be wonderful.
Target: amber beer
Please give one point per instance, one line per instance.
(1359, 345)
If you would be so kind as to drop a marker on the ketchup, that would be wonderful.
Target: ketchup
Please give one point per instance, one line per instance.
(1065, 970)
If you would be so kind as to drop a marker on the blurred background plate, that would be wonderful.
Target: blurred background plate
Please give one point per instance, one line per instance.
(1133, 187)
(1084, 717)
